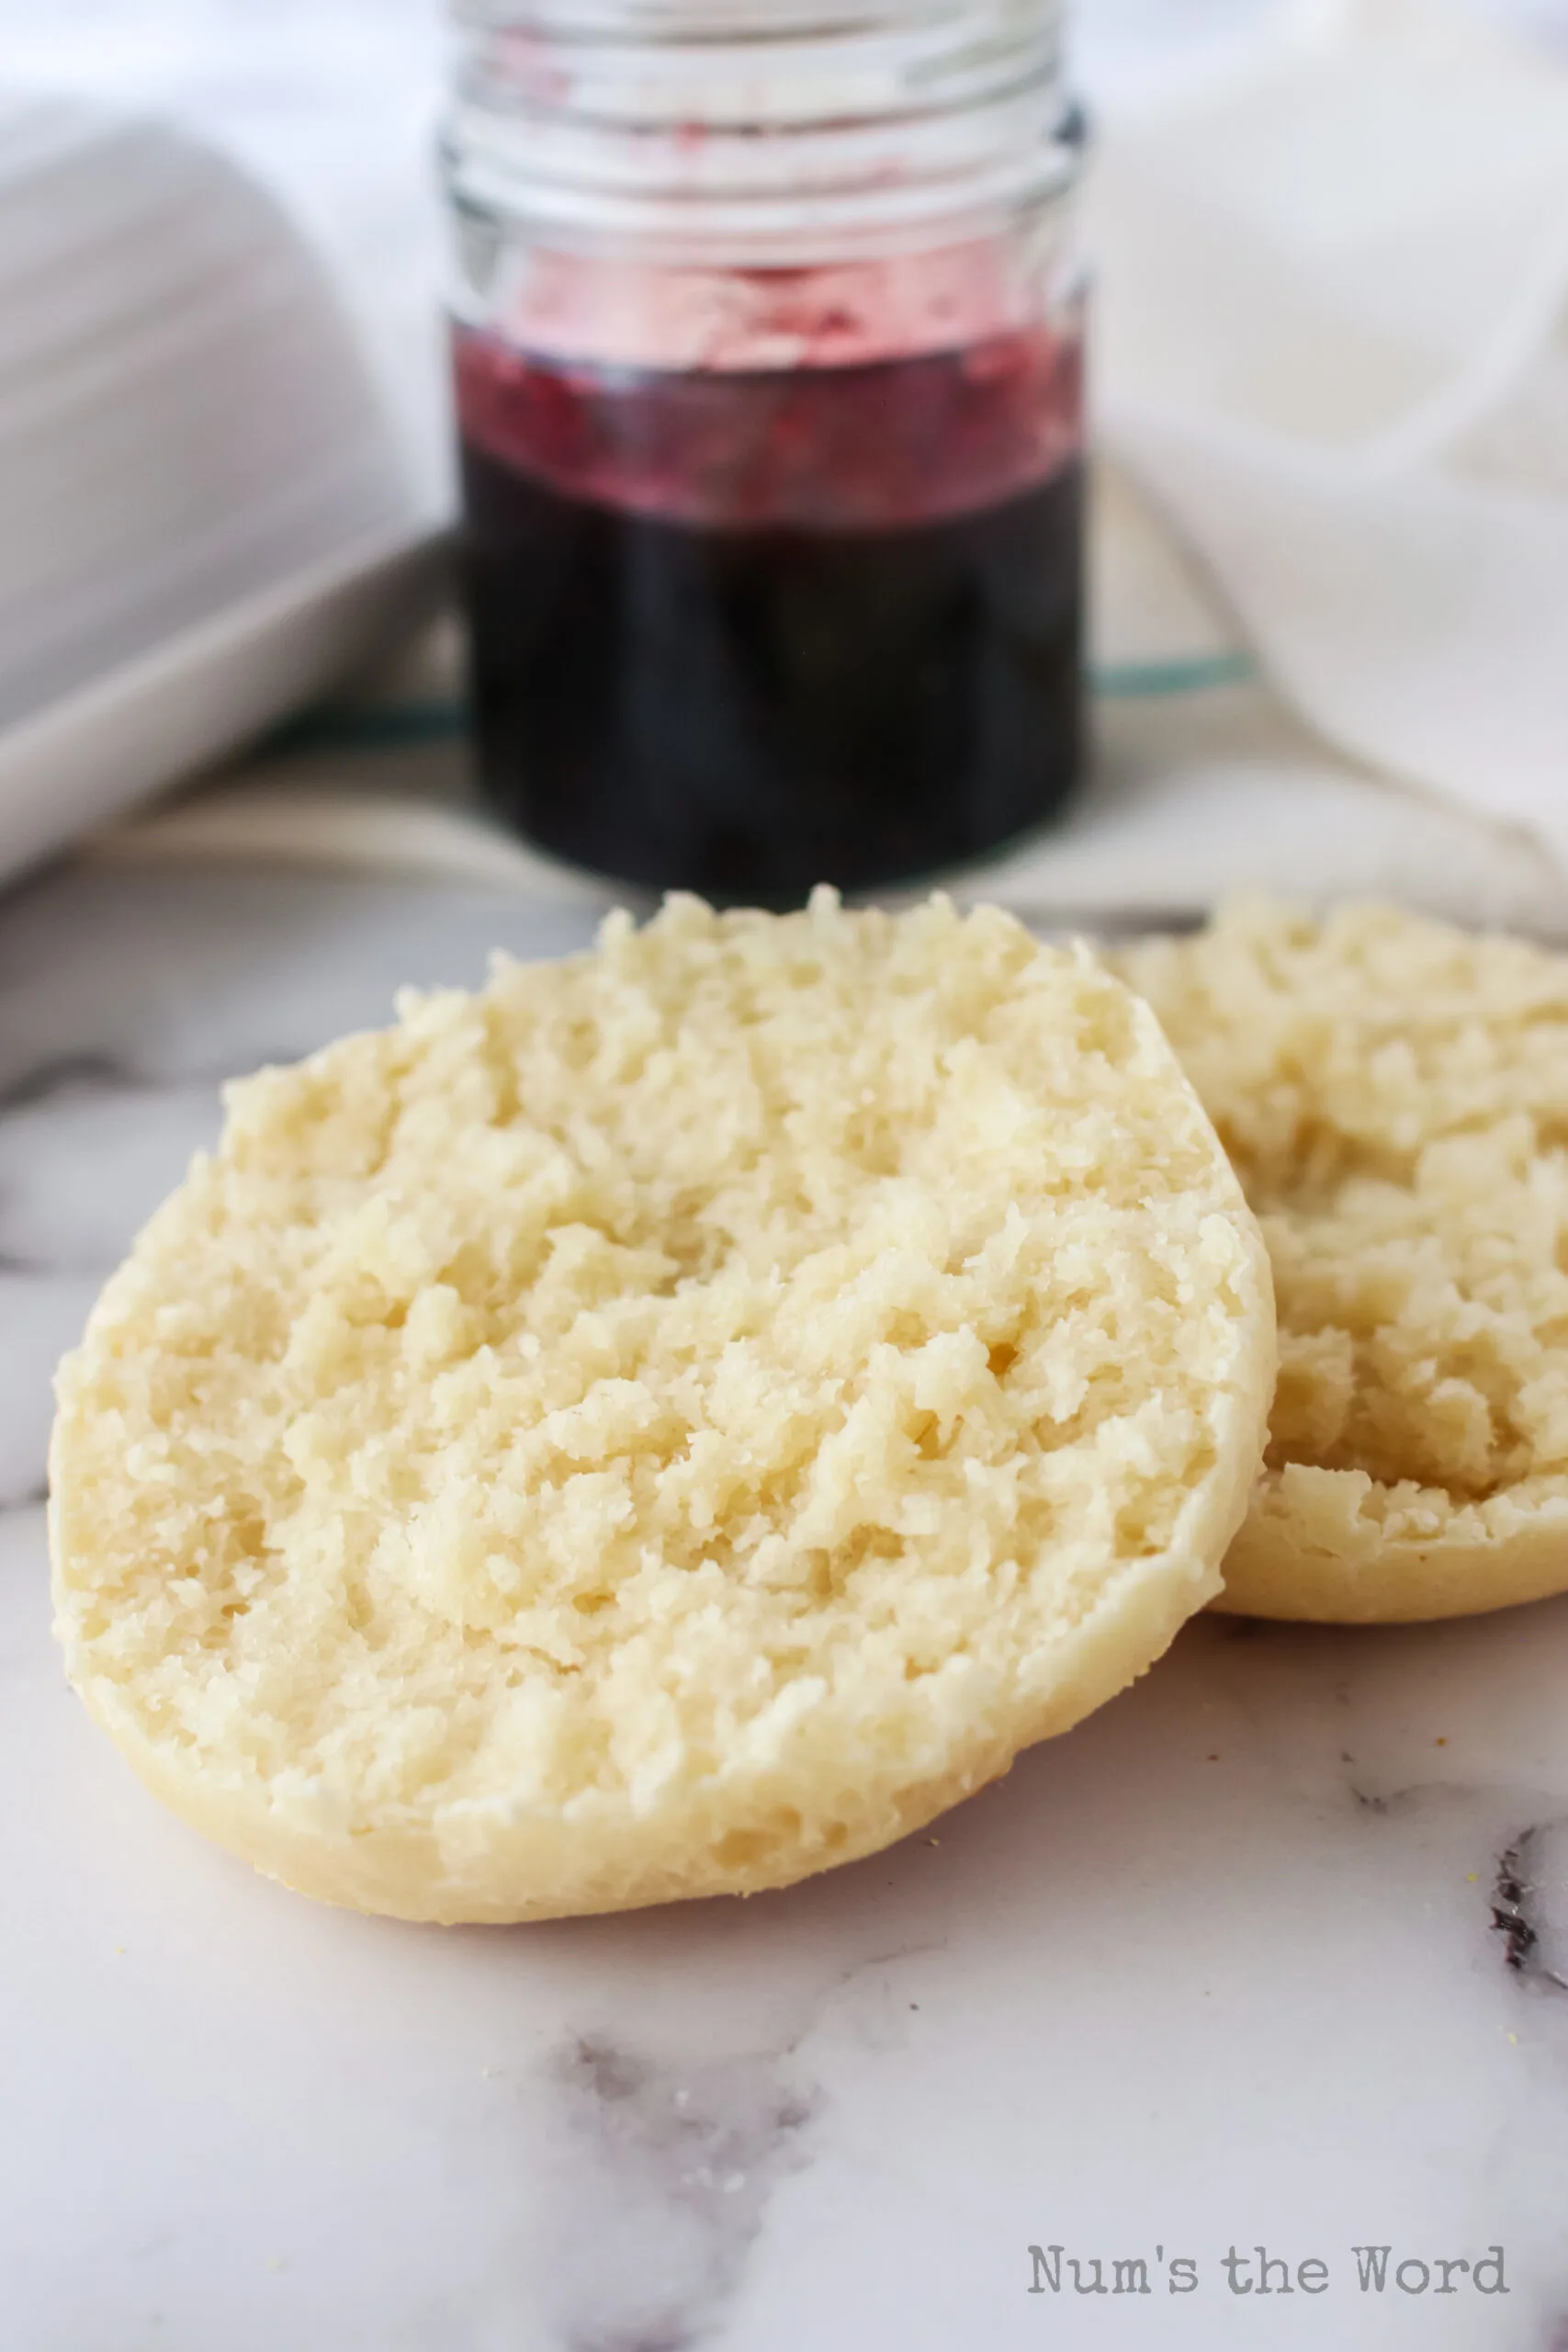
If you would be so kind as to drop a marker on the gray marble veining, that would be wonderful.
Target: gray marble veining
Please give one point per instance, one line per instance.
(667, 2172)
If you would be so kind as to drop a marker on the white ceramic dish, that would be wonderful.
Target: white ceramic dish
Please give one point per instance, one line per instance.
(205, 511)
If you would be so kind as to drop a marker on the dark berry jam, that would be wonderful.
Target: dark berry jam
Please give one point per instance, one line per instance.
(741, 632)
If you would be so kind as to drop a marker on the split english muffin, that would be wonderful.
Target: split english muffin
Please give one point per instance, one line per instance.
(1394, 1094)
(674, 1421)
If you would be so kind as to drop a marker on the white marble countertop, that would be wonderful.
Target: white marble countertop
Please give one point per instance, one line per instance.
(1271, 1953)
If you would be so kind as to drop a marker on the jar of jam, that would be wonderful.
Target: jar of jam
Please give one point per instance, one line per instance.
(769, 339)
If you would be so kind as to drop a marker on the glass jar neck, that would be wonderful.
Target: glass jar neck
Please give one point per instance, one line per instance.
(779, 134)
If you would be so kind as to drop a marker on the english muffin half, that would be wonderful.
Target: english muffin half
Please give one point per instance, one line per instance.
(669, 1422)
(1394, 1094)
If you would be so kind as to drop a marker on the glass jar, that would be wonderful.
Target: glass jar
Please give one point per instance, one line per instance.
(769, 338)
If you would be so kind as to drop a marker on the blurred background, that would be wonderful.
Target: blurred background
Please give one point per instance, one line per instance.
(1330, 548)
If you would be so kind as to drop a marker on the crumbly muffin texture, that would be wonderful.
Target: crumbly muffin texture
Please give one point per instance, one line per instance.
(671, 1421)
(1394, 1094)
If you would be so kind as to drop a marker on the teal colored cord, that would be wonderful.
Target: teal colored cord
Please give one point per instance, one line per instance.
(404, 726)
(1146, 681)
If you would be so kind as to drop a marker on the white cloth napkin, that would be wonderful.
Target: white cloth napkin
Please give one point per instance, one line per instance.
(1333, 349)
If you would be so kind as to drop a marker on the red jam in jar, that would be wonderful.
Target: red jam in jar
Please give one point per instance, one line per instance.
(775, 576)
